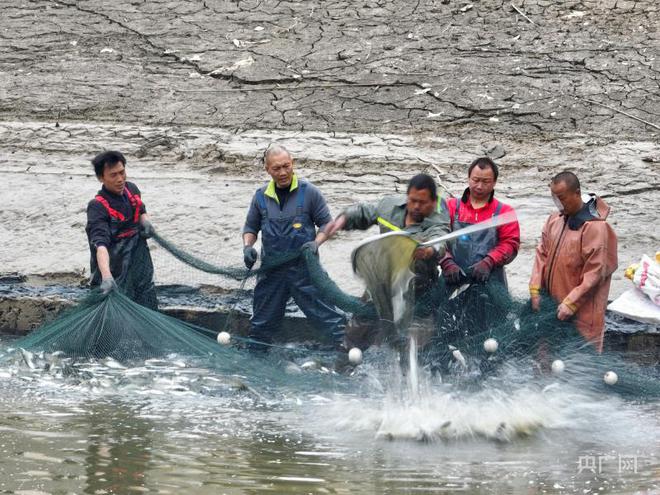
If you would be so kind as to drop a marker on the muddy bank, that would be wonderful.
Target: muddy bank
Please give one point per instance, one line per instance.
(364, 94)
(201, 203)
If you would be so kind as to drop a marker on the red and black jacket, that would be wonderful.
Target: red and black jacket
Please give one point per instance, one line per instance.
(508, 235)
(112, 217)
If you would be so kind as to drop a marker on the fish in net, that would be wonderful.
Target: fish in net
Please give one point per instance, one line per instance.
(115, 326)
(461, 320)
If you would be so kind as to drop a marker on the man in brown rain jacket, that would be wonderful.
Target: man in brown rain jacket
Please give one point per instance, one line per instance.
(575, 258)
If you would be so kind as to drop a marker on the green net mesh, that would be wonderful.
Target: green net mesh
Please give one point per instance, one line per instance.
(138, 283)
(449, 328)
(226, 271)
(385, 265)
(486, 311)
(113, 331)
(117, 327)
(331, 293)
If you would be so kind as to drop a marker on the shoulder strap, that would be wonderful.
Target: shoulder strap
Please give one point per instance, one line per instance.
(458, 207)
(261, 202)
(111, 211)
(301, 197)
(136, 203)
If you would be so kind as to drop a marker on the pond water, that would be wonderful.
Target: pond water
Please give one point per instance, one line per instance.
(171, 426)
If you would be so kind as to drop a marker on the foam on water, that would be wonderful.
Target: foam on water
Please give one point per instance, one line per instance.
(392, 402)
(384, 398)
(320, 420)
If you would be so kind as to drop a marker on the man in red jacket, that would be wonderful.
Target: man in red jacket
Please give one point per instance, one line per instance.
(481, 255)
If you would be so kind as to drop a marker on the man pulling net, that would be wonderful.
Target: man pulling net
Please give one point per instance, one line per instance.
(287, 211)
(113, 325)
(385, 265)
(476, 261)
(117, 229)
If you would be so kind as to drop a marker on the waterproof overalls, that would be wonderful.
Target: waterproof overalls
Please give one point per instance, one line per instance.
(285, 230)
(575, 259)
(130, 260)
(469, 249)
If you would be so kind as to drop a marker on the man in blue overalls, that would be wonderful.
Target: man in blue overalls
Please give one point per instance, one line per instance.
(117, 229)
(287, 211)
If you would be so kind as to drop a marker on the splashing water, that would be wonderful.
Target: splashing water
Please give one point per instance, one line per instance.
(413, 369)
(316, 428)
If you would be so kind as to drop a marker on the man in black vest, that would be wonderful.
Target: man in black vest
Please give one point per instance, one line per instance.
(117, 229)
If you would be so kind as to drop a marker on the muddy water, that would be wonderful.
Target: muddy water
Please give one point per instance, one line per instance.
(170, 427)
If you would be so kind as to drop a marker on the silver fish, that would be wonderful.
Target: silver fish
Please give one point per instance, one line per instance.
(458, 356)
(29, 359)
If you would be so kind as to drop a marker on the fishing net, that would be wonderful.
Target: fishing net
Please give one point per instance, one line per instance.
(456, 321)
(189, 259)
(452, 325)
(114, 332)
(552, 349)
(123, 327)
(115, 326)
(384, 264)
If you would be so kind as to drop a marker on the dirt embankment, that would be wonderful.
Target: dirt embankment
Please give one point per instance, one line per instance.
(442, 67)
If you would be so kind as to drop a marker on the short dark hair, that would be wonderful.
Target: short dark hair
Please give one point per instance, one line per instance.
(483, 163)
(423, 181)
(568, 178)
(107, 159)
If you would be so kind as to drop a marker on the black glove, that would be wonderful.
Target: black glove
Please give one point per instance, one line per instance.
(147, 230)
(312, 246)
(450, 271)
(249, 256)
(480, 271)
(107, 285)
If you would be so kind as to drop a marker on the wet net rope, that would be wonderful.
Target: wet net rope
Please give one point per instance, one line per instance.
(330, 291)
(456, 328)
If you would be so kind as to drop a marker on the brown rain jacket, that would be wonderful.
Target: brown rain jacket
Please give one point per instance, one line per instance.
(574, 262)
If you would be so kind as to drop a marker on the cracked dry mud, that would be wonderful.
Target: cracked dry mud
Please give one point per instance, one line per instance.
(364, 93)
